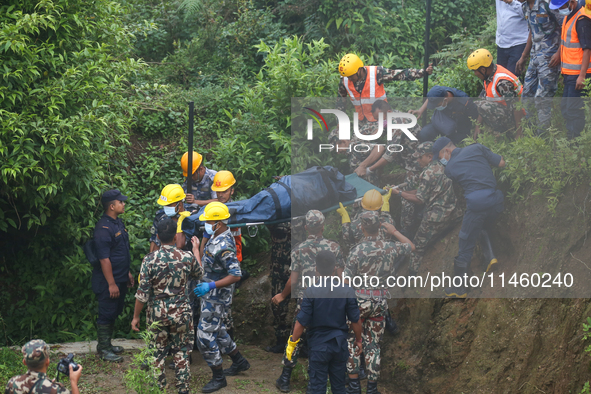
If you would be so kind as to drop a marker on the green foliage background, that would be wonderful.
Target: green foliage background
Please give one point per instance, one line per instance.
(93, 95)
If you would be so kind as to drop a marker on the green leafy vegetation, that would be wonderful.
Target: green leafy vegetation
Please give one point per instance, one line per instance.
(94, 96)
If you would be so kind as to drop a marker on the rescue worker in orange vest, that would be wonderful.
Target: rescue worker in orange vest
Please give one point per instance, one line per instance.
(502, 91)
(575, 51)
(364, 85)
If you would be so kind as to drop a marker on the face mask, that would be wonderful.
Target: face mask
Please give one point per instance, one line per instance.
(443, 161)
(564, 11)
(170, 211)
(441, 108)
(209, 229)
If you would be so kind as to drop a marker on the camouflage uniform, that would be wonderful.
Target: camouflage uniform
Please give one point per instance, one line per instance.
(541, 80)
(356, 158)
(280, 262)
(34, 382)
(219, 261)
(202, 190)
(164, 275)
(373, 257)
(353, 234)
(436, 192)
(495, 115)
(303, 261)
(408, 160)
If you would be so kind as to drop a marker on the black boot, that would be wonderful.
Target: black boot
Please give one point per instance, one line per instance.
(114, 349)
(103, 346)
(391, 325)
(283, 382)
(279, 346)
(239, 364)
(372, 388)
(362, 373)
(354, 387)
(217, 382)
(461, 291)
(487, 251)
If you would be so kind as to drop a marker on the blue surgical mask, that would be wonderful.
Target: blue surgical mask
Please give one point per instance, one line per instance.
(209, 229)
(441, 108)
(170, 211)
(564, 11)
(443, 161)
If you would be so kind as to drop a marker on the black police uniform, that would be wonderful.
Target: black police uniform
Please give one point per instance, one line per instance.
(325, 313)
(111, 241)
(471, 168)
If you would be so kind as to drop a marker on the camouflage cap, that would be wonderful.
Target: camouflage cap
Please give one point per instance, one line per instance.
(35, 351)
(369, 218)
(314, 218)
(425, 147)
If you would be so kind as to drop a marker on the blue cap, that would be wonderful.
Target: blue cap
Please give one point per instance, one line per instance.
(435, 96)
(438, 145)
(556, 4)
(111, 195)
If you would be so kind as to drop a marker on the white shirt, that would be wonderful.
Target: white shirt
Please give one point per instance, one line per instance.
(512, 27)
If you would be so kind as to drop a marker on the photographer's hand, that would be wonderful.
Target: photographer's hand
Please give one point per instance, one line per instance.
(74, 377)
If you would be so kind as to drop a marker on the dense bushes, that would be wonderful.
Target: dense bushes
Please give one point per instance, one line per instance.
(81, 112)
(63, 112)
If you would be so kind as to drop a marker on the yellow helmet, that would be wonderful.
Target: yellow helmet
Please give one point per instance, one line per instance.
(349, 65)
(222, 181)
(197, 158)
(372, 200)
(215, 211)
(171, 194)
(479, 58)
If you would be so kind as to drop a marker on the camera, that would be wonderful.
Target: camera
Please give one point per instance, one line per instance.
(63, 365)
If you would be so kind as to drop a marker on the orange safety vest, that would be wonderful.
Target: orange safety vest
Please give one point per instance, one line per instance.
(571, 53)
(491, 87)
(371, 93)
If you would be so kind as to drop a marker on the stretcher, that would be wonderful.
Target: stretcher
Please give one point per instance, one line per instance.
(361, 186)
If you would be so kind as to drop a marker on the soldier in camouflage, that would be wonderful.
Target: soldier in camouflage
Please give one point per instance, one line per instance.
(373, 257)
(280, 263)
(164, 275)
(35, 381)
(372, 201)
(222, 271)
(407, 159)
(303, 264)
(435, 195)
(541, 78)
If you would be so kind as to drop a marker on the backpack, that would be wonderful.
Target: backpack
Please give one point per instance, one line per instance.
(91, 255)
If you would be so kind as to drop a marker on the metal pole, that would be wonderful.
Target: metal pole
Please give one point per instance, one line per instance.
(427, 31)
(190, 149)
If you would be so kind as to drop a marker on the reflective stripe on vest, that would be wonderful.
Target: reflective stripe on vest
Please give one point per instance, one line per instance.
(491, 88)
(571, 53)
(371, 93)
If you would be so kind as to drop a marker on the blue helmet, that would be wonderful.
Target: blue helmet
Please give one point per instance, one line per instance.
(556, 4)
